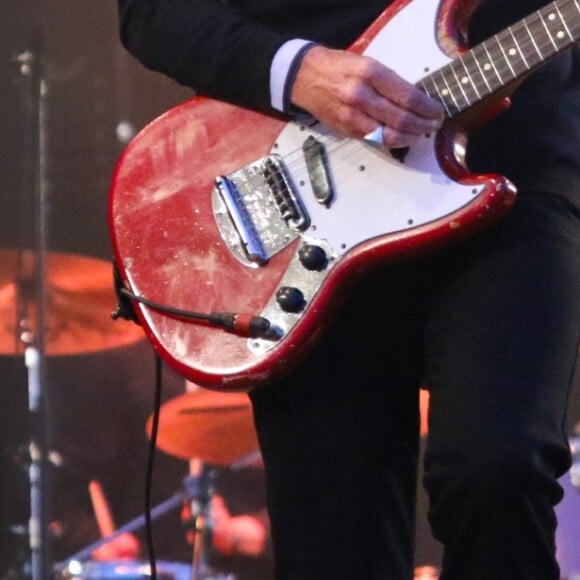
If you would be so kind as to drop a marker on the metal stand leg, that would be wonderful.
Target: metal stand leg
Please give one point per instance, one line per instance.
(37, 469)
(31, 307)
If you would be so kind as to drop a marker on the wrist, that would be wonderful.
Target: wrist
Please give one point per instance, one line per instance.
(310, 71)
(280, 70)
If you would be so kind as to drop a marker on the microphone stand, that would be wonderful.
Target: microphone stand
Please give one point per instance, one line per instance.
(31, 308)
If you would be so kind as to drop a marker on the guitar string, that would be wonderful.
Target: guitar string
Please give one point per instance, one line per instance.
(294, 159)
(527, 45)
(336, 143)
(341, 144)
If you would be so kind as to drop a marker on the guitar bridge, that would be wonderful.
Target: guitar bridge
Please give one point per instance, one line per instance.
(288, 202)
(257, 210)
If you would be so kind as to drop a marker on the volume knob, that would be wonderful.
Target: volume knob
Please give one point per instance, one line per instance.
(290, 299)
(313, 257)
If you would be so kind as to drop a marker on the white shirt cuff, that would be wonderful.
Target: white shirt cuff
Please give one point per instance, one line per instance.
(279, 69)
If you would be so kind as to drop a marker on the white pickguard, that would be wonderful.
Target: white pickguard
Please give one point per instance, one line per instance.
(386, 196)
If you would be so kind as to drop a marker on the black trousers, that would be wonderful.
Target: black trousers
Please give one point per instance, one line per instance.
(491, 327)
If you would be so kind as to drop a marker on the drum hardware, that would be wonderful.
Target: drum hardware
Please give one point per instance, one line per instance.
(196, 525)
(197, 490)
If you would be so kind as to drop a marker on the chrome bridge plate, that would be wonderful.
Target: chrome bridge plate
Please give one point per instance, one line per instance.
(256, 211)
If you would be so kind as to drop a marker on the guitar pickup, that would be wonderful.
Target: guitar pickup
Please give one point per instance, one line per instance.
(318, 172)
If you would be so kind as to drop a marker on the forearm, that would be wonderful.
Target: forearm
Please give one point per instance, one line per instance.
(202, 44)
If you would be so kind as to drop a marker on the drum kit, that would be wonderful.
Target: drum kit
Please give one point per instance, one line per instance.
(54, 305)
(210, 429)
(216, 428)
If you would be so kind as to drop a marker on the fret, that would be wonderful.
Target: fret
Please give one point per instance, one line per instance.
(484, 68)
(564, 23)
(480, 70)
(532, 38)
(435, 95)
(447, 89)
(555, 29)
(576, 22)
(469, 76)
(518, 48)
(512, 52)
(505, 56)
(547, 30)
(438, 96)
(461, 83)
(572, 18)
(490, 63)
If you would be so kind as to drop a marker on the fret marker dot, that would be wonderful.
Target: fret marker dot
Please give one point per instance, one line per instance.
(551, 16)
(486, 66)
(464, 80)
(512, 51)
(445, 92)
(560, 34)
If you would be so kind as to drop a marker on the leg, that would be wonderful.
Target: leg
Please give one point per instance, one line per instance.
(340, 445)
(502, 342)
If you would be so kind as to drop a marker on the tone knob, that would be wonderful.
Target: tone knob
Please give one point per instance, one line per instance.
(313, 257)
(290, 299)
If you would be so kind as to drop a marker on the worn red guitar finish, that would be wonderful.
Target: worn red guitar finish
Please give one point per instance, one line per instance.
(169, 248)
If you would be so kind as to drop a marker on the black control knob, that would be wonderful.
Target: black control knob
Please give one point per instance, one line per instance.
(290, 299)
(313, 257)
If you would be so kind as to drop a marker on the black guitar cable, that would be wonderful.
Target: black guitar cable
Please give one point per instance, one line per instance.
(237, 323)
(150, 465)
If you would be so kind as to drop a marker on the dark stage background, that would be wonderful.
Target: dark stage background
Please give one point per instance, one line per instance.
(96, 97)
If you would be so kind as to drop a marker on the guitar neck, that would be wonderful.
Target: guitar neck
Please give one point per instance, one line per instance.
(505, 57)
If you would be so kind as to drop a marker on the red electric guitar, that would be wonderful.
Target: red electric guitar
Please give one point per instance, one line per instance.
(264, 223)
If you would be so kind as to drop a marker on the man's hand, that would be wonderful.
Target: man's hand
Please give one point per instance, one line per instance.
(123, 547)
(242, 535)
(354, 95)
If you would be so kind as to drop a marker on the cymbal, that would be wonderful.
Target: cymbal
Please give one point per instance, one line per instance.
(215, 427)
(79, 298)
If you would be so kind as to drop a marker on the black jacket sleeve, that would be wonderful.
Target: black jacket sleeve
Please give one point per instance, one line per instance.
(203, 44)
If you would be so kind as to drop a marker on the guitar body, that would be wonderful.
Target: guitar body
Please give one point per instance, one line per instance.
(176, 243)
